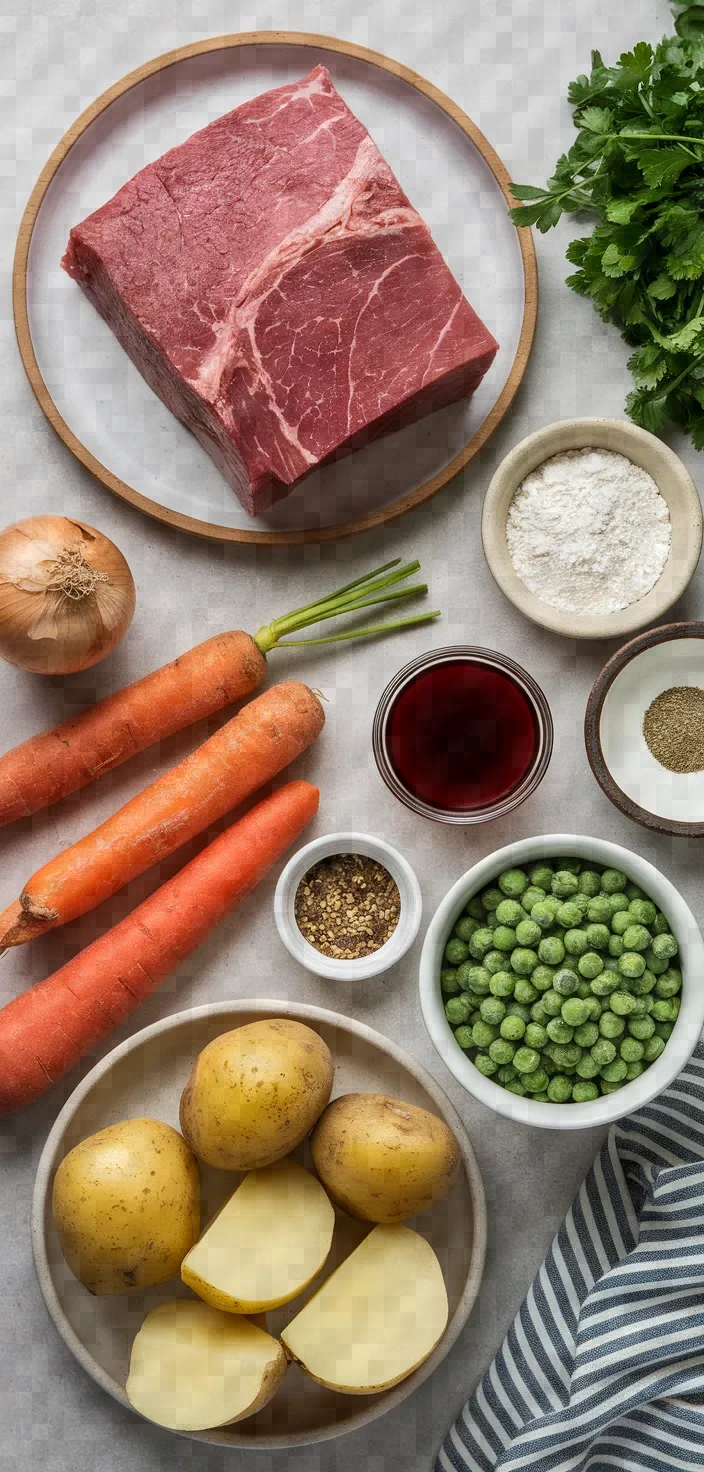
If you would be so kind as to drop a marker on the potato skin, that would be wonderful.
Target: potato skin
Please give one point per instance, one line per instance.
(126, 1204)
(254, 1093)
(382, 1160)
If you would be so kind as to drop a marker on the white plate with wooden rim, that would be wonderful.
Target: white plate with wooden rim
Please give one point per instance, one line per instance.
(96, 399)
(144, 1077)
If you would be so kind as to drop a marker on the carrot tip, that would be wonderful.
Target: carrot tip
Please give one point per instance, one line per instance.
(17, 926)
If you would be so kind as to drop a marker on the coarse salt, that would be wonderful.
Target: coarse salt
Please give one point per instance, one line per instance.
(589, 532)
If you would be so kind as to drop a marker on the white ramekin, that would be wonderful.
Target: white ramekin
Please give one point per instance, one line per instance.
(409, 918)
(686, 1031)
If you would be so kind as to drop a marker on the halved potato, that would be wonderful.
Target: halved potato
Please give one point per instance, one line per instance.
(193, 1367)
(266, 1244)
(378, 1316)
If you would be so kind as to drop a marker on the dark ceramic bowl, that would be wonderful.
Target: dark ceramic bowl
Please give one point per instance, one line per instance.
(509, 798)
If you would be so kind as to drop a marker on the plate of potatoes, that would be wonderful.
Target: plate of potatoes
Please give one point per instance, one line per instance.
(259, 1224)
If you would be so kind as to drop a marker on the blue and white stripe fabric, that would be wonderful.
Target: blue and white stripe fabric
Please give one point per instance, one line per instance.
(603, 1366)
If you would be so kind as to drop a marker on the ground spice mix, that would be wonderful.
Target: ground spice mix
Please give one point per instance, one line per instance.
(673, 727)
(347, 906)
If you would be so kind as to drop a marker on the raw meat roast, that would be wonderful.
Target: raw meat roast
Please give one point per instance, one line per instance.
(275, 288)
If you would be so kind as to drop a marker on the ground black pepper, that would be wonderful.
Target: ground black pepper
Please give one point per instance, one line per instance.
(347, 906)
(673, 727)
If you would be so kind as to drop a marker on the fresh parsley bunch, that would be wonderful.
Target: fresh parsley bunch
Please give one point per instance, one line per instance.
(638, 163)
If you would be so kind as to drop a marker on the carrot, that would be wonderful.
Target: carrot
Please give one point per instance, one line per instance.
(244, 754)
(44, 1032)
(49, 766)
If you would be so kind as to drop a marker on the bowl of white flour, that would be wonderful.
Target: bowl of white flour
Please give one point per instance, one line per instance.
(592, 527)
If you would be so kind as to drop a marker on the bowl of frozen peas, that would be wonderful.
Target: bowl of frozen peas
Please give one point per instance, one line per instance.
(560, 981)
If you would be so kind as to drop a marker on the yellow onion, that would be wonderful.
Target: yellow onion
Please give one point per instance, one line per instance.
(66, 595)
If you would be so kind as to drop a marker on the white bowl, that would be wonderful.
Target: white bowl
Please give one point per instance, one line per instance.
(674, 483)
(408, 922)
(686, 1031)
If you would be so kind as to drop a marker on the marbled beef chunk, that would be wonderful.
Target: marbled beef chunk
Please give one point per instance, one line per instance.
(274, 286)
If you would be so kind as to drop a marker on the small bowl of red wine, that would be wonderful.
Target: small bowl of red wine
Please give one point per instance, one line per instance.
(462, 735)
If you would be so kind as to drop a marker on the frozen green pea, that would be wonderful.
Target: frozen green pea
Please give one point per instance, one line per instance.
(603, 1052)
(569, 914)
(663, 1030)
(485, 1064)
(532, 896)
(523, 961)
(512, 1028)
(547, 1063)
(564, 884)
(584, 989)
(566, 1056)
(605, 983)
(613, 880)
(465, 928)
(576, 942)
(541, 875)
(622, 1003)
(582, 901)
(494, 961)
(631, 964)
(526, 1060)
(492, 1010)
(506, 1073)
(542, 916)
(657, 964)
(665, 946)
(516, 1087)
(463, 974)
(634, 892)
(617, 902)
(599, 910)
(484, 1033)
(583, 1091)
(571, 866)
(607, 1088)
(642, 985)
(634, 1070)
(666, 1009)
(519, 1009)
(513, 882)
(559, 1089)
(616, 947)
(457, 1009)
(590, 965)
(594, 1005)
(598, 937)
(641, 1028)
(631, 1050)
(590, 882)
(611, 1026)
(641, 1006)
(642, 912)
(502, 1051)
(524, 991)
(481, 942)
(621, 922)
(475, 909)
(565, 982)
(660, 925)
(551, 950)
(587, 1066)
(574, 1011)
(537, 1082)
(669, 984)
(543, 1098)
(559, 1031)
(491, 898)
(448, 980)
(501, 984)
(538, 1013)
(552, 1003)
(653, 1048)
(529, 934)
(464, 1036)
(615, 1072)
(509, 912)
(456, 951)
(504, 938)
(535, 1036)
(542, 977)
(478, 981)
(636, 938)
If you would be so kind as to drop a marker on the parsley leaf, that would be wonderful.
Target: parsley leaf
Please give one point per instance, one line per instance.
(637, 164)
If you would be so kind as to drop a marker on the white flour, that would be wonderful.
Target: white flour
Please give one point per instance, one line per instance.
(588, 531)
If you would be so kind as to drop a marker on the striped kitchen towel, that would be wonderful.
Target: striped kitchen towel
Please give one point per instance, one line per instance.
(603, 1366)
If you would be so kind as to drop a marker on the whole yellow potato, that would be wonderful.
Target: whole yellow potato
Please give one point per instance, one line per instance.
(381, 1159)
(126, 1204)
(254, 1093)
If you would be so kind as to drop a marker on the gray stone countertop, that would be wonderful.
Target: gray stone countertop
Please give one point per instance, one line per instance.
(508, 62)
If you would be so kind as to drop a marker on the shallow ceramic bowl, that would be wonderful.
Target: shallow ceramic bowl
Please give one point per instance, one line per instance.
(145, 1076)
(674, 483)
(685, 1033)
(669, 802)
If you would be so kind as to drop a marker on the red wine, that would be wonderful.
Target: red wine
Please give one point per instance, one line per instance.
(461, 735)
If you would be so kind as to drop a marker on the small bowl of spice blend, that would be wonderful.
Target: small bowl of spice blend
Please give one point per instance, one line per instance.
(348, 906)
(644, 729)
(592, 527)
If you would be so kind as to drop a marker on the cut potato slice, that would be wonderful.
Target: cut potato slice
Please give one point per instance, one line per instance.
(266, 1244)
(193, 1367)
(378, 1316)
